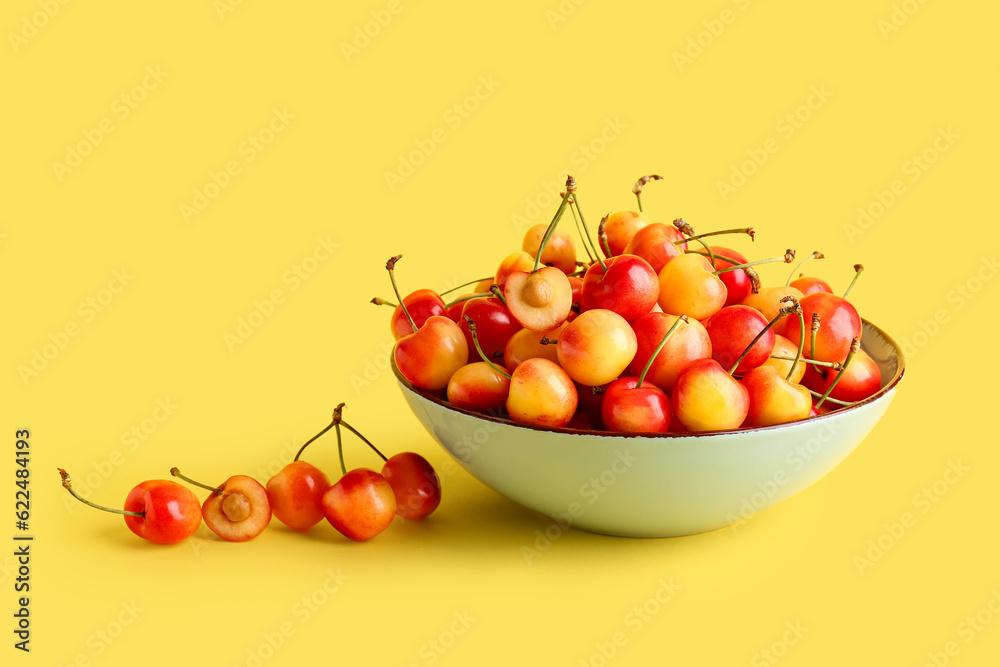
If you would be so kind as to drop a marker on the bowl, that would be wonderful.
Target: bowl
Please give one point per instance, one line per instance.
(655, 485)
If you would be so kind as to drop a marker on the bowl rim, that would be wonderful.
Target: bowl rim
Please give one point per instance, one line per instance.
(436, 398)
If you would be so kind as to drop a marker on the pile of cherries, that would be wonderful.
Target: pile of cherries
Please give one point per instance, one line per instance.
(664, 333)
(360, 505)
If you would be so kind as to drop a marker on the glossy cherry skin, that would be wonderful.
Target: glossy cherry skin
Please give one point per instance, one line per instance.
(774, 400)
(628, 287)
(784, 348)
(655, 243)
(707, 398)
(687, 344)
(415, 485)
(769, 301)
(541, 393)
(295, 494)
(628, 408)
(737, 282)
(478, 387)
(516, 261)
(360, 505)
(431, 355)
(596, 347)
(560, 251)
(809, 285)
(839, 324)
(172, 511)
(494, 327)
(862, 378)
(525, 344)
(732, 329)
(688, 287)
(241, 513)
(620, 227)
(422, 304)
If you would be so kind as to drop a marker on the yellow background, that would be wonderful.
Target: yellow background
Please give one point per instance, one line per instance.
(595, 88)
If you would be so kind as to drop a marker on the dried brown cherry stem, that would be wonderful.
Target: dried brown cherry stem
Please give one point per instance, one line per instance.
(816, 254)
(637, 188)
(858, 268)
(787, 258)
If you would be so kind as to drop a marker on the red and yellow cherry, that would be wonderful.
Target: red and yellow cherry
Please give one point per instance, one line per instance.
(540, 299)
(237, 510)
(360, 505)
(591, 399)
(560, 251)
(707, 398)
(781, 358)
(861, 378)
(516, 261)
(526, 344)
(738, 284)
(732, 329)
(633, 405)
(809, 284)
(414, 483)
(625, 284)
(839, 324)
(689, 286)
(295, 494)
(494, 325)
(773, 399)
(620, 227)
(689, 343)
(596, 347)
(160, 511)
(656, 243)
(421, 305)
(478, 386)
(541, 393)
(769, 301)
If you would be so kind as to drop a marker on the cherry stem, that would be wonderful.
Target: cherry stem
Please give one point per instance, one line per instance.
(471, 282)
(816, 254)
(656, 352)
(857, 274)
(741, 230)
(835, 365)
(214, 489)
(712, 256)
(309, 441)
(68, 485)
(855, 347)
(548, 341)
(475, 341)
(583, 236)
(816, 394)
(390, 266)
(338, 420)
(340, 449)
(495, 291)
(786, 258)
(815, 331)
(802, 340)
(468, 297)
(688, 231)
(637, 188)
(379, 301)
(570, 185)
(583, 223)
(366, 441)
(787, 310)
(602, 236)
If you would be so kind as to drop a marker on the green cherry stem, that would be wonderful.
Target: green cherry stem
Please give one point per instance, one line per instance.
(340, 450)
(802, 341)
(310, 440)
(816, 394)
(214, 489)
(742, 230)
(814, 333)
(338, 419)
(498, 293)
(468, 297)
(656, 352)
(570, 184)
(855, 347)
(390, 266)
(379, 301)
(602, 236)
(68, 485)
(787, 310)
(583, 221)
(688, 231)
(816, 254)
(857, 274)
(475, 341)
(471, 282)
(637, 188)
(786, 258)
(834, 365)
(587, 242)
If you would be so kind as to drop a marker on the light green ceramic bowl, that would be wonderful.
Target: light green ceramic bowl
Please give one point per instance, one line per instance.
(656, 485)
